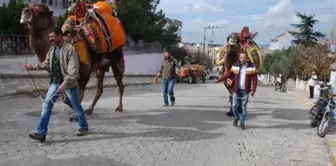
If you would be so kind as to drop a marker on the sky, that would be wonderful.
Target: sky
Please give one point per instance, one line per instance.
(267, 17)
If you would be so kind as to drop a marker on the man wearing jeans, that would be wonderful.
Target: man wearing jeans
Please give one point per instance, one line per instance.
(245, 76)
(168, 73)
(62, 62)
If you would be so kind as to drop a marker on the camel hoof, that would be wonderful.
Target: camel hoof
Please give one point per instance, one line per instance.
(119, 109)
(89, 111)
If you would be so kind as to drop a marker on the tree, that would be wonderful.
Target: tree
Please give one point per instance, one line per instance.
(10, 16)
(305, 36)
(62, 19)
(168, 37)
(142, 21)
(315, 58)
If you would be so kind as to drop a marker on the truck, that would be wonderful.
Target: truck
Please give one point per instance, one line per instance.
(191, 73)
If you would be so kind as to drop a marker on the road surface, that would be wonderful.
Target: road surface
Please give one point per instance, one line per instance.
(194, 132)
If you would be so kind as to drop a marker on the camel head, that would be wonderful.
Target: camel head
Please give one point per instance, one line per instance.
(36, 17)
(233, 40)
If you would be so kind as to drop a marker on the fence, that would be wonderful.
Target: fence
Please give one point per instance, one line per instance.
(18, 45)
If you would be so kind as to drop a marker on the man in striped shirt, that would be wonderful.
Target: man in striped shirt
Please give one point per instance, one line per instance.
(244, 83)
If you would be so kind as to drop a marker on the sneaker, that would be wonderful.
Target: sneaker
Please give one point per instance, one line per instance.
(230, 114)
(235, 122)
(173, 103)
(165, 105)
(82, 132)
(35, 136)
(242, 126)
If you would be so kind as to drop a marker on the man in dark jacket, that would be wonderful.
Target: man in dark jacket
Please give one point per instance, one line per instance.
(168, 73)
(245, 76)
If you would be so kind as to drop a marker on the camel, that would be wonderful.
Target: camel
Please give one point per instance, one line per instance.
(38, 19)
(229, 55)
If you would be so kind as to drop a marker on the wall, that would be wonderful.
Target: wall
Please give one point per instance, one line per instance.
(142, 64)
(303, 85)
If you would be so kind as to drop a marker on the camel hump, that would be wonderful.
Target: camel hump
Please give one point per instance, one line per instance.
(103, 7)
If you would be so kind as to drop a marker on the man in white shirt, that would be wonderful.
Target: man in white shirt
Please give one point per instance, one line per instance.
(332, 79)
(312, 83)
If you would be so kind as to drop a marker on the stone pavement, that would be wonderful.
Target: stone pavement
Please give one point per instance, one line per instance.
(330, 139)
(195, 132)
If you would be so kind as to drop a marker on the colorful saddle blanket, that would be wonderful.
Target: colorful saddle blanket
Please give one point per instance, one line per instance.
(102, 32)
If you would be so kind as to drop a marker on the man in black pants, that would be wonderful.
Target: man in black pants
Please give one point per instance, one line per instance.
(312, 83)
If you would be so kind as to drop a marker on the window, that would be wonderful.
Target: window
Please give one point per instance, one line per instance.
(43, 1)
(50, 2)
(64, 4)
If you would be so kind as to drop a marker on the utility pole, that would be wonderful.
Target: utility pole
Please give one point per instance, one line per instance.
(205, 28)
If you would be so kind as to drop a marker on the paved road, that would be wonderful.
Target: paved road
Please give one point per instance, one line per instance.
(195, 132)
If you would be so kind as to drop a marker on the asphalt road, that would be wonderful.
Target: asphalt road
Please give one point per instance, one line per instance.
(194, 132)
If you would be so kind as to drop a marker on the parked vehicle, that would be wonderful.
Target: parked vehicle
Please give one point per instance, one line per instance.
(318, 109)
(328, 120)
(281, 86)
(213, 75)
(192, 73)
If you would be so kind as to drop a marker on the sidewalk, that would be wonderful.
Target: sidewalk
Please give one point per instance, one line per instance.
(14, 79)
(12, 67)
(330, 139)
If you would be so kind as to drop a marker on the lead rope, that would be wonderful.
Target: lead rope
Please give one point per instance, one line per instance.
(31, 77)
(37, 90)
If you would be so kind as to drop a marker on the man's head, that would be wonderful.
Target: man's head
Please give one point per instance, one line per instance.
(167, 54)
(313, 73)
(243, 58)
(56, 36)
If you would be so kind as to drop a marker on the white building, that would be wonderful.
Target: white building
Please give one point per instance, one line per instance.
(57, 6)
(281, 41)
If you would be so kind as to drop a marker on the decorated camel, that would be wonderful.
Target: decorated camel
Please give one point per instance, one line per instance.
(109, 39)
(229, 54)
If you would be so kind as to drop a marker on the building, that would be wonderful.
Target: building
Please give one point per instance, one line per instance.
(281, 41)
(57, 6)
(175, 23)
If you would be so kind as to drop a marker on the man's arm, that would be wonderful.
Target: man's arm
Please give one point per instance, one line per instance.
(159, 73)
(254, 80)
(45, 65)
(225, 76)
(72, 75)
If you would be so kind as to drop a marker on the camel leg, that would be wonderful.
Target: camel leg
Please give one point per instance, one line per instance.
(100, 73)
(118, 68)
(230, 113)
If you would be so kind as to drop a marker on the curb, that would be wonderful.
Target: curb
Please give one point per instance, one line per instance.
(6, 76)
(331, 146)
(29, 90)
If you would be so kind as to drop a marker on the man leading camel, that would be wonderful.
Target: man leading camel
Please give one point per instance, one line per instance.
(63, 63)
(245, 75)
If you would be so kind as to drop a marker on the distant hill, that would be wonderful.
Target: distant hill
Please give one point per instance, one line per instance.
(263, 45)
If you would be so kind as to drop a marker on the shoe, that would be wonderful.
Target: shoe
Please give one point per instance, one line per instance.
(165, 105)
(230, 113)
(35, 136)
(235, 122)
(82, 132)
(242, 126)
(173, 103)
